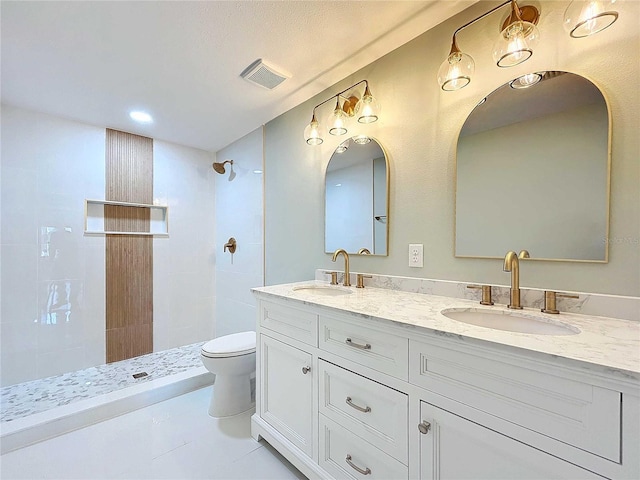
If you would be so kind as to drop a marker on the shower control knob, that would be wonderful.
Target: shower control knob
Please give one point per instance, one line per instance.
(306, 369)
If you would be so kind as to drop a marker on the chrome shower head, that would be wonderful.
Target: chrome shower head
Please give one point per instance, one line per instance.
(219, 167)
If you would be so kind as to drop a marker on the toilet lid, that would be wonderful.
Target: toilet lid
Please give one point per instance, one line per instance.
(230, 345)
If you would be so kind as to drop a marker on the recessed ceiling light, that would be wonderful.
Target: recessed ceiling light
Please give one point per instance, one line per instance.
(142, 117)
(257, 172)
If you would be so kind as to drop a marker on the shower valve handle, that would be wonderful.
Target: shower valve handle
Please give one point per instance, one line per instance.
(231, 245)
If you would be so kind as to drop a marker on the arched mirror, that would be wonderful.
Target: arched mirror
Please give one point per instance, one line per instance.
(357, 197)
(532, 171)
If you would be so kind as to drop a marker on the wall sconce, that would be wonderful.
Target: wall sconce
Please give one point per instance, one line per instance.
(366, 110)
(519, 35)
(586, 17)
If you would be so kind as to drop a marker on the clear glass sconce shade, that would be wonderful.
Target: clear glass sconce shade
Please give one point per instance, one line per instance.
(337, 121)
(586, 17)
(361, 139)
(343, 147)
(456, 71)
(516, 43)
(525, 81)
(367, 109)
(312, 133)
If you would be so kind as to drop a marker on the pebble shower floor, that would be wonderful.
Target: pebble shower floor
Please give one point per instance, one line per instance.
(24, 399)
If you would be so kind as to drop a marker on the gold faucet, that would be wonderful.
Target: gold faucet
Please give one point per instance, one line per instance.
(347, 282)
(512, 264)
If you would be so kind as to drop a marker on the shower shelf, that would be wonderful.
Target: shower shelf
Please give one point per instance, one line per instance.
(94, 218)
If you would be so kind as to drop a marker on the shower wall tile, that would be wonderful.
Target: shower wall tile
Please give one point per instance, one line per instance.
(61, 361)
(237, 286)
(206, 314)
(16, 366)
(239, 214)
(19, 206)
(19, 283)
(246, 260)
(19, 338)
(184, 272)
(52, 275)
(233, 317)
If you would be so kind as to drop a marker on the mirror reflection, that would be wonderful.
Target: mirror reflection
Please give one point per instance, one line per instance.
(533, 171)
(357, 197)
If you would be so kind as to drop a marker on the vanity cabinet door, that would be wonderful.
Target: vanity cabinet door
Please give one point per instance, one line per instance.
(452, 447)
(287, 391)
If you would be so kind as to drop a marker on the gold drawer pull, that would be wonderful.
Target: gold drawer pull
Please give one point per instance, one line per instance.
(366, 471)
(357, 407)
(349, 342)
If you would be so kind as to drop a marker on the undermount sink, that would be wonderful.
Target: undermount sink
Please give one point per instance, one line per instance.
(511, 321)
(323, 290)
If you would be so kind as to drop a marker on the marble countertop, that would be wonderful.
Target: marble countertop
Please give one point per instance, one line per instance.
(609, 343)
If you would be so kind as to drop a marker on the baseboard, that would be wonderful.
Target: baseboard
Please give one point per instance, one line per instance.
(35, 428)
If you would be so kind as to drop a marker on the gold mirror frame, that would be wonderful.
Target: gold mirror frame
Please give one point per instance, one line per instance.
(484, 210)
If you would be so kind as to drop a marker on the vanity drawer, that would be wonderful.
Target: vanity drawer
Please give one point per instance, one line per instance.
(573, 412)
(369, 409)
(346, 456)
(375, 349)
(292, 322)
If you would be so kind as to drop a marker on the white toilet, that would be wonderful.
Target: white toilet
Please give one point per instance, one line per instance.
(232, 359)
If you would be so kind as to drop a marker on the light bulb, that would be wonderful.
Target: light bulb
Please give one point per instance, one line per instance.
(312, 133)
(456, 71)
(367, 109)
(338, 121)
(515, 44)
(525, 81)
(583, 18)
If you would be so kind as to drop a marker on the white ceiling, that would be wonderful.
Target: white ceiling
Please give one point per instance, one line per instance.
(180, 61)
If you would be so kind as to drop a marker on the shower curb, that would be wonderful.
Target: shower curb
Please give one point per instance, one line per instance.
(41, 426)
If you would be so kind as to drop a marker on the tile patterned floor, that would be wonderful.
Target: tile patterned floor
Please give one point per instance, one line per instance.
(24, 399)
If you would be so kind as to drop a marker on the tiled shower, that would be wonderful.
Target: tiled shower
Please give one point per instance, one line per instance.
(53, 275)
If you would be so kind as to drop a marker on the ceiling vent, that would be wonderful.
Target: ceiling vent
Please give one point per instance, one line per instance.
(259, 73)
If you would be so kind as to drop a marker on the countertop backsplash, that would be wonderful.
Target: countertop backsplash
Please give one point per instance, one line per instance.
(595, 304)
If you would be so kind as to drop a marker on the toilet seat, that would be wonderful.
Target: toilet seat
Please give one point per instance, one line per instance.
(233, 345)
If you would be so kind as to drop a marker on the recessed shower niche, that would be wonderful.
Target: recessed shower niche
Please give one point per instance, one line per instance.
(94, 217)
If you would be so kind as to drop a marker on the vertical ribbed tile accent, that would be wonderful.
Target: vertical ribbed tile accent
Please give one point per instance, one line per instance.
(129, 258)
(129, 168)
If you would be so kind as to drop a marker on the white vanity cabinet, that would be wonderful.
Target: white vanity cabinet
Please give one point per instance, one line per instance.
(453, 447)
(345, 396)
(287, 386)
(286, 397)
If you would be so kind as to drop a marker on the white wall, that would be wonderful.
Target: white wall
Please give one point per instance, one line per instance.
(49, 166)
(418, 128)
(239, 214)
(184, 263)
(53, 287)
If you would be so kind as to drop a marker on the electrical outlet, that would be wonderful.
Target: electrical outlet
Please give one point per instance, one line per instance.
(416, 257)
